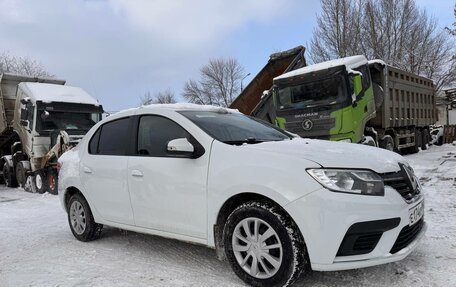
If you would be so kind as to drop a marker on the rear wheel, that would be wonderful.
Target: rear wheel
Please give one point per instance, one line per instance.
(8, 176)
(264, 246)
(418, 140)
(22, 169)
(52, 182)
(81, 221)
(39, 180)
(424, 139)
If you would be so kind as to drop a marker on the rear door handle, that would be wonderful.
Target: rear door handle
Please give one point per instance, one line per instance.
(86, 169)
(136, 173)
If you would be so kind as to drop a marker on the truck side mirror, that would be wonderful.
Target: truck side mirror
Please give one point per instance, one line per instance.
(357, 84)
(24, 114)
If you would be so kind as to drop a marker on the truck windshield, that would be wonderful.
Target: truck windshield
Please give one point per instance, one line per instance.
(318, 92)
(234, 128)
(58, 120)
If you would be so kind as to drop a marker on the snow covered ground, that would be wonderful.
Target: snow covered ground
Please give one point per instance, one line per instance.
(38, 249)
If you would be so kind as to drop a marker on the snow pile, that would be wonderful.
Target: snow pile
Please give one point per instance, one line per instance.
(349, 62)
(48, 93)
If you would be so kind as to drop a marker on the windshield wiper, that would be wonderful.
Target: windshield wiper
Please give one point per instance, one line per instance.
(249, 140)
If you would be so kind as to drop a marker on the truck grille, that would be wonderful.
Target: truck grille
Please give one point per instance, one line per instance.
(407, 235)
(401, 184)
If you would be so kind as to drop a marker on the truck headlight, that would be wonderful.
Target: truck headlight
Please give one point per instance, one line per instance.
(350, 181)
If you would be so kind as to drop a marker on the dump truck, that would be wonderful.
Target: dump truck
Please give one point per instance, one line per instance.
(40, 119)
(349, 99)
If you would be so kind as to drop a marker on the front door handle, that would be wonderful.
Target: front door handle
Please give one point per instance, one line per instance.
(86, 169)
(136, 173)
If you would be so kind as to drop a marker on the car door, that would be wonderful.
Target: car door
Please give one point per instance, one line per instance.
(168, 191)
(104, 171)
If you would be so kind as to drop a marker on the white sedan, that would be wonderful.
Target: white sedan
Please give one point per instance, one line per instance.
(270, 203)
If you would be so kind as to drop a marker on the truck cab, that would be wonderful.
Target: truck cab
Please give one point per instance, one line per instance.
(48, 119)
(331, 100)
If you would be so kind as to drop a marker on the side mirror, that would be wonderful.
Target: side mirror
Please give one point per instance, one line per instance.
(44, 115)
(24, 114)
(357, 84)
(180, 146)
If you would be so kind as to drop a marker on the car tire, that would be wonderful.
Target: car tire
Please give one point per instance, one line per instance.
(8, 176)
(278, 259)
(80, 219)
(39, 181)
(52, 181)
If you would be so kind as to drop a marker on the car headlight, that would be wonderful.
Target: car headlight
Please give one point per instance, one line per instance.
(350, 181)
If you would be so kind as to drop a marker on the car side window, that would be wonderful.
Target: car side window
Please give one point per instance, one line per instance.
(111, 138)
(154, 134)
(93, 144)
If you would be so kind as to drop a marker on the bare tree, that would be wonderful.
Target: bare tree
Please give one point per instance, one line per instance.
(452, 31)
(397, 32)
(219, 83)
(164, 97)
(22, 66)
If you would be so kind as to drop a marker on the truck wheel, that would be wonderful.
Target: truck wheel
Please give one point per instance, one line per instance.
(424, 139)
(440, 140)
(39, 180)
(22, 169)
(9, 177)
(416, 147)
(388, 143)
(52, 183)
(263, 245)
(81, 221)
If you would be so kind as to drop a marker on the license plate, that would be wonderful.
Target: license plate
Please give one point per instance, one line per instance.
(416, 213)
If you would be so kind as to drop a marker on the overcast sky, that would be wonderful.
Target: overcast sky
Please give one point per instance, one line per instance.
(118, 49)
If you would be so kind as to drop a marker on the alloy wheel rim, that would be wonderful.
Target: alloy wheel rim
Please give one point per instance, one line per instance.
(257, 248)
(77, 217)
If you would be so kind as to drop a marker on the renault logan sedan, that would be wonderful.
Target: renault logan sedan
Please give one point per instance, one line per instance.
(270, 203)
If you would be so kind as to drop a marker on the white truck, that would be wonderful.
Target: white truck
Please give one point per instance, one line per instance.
(40, 118)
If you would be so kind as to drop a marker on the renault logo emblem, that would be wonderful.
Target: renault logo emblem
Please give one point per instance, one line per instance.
(307, 125)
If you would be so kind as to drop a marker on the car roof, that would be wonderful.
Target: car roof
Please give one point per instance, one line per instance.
(175, 107)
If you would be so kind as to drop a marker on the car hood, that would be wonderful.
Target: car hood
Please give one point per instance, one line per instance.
(335, 154)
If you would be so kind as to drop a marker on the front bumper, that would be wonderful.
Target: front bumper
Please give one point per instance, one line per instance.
(324, 217)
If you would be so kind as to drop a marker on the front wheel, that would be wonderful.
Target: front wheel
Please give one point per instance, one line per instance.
(81, 221)
(263, 245)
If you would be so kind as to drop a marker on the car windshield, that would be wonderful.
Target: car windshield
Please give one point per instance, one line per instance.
(234, 128)
(53, 120)
(318, 92)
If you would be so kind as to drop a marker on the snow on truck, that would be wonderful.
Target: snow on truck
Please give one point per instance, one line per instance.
(40, 118)
(349, 99)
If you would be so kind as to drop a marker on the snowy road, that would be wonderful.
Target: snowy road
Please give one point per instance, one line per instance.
(38, 249)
